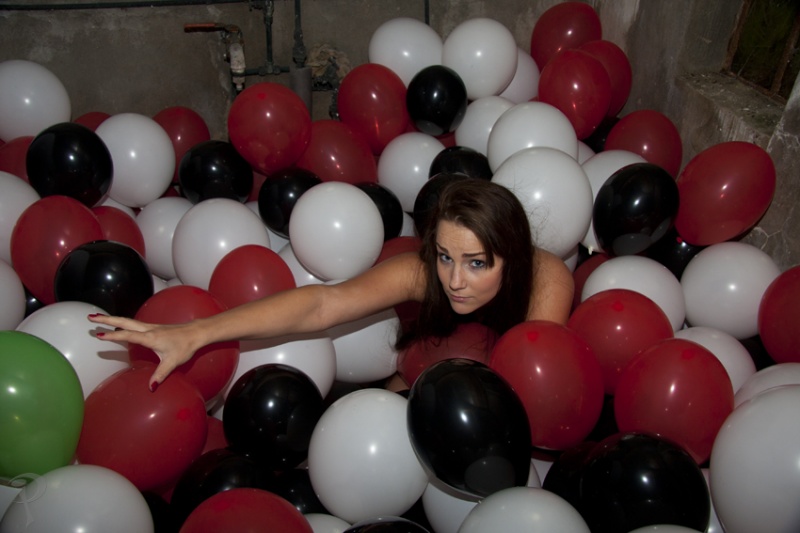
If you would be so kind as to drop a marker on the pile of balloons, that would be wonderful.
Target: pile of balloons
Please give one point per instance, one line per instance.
(645, 412)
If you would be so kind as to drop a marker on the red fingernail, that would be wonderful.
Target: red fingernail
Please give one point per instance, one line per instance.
(153, 386)
(100, 334)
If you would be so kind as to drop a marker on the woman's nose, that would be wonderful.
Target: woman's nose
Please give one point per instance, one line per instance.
(457, 280)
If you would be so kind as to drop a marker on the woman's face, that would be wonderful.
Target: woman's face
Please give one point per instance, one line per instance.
(461, 265)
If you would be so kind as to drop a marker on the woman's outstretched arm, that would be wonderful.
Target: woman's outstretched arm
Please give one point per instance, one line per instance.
(305, 309)
(553, 286)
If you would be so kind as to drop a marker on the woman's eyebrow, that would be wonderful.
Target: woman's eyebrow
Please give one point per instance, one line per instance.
(472, 254)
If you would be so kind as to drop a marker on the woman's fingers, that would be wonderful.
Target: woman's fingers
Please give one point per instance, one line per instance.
(119, 322)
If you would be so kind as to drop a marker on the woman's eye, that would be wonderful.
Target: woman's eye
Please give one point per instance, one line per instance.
(477, 263)
(444, 258)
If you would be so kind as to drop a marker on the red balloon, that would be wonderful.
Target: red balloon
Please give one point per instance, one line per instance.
(270, 126)
(723, 191)
(211, 367)
(245, 510)
(148, 437)
(577, 84)
(336, 152)
(372, 100)
(677, 390)
(44, 234)
(650, 134)
(92, 119)
(248, 273)
(215, 438)
(469, 341)
(557, 377)
(185, 128)
(562, 27)
(618, 68)
(618, 324)
(119, 226)
(779, 317)
(581, 274)
(399, 245)
(258, 181)
(12, 156)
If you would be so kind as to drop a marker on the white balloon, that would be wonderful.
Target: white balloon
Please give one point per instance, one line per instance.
(445, 509)
(713, 520)
(584, 152)
(571, 259)
(301, 275)
(336, 230)
(409, 228)
(207, 232)
(16, 195)
(528, 125)
(723, 285)
(312, 354)
(767, 378)
(32, 99)
(483, 53)
(12, 297)
(110, 202)
(478, 121)
(365, 348)
(599, 168)
(555, 192)
(326, 523)
(519, 509)
(730, 352)
(65, 326)
(157, 222)
(524, 86)
(159, 284)
(755, 479)
(405, 45)
(143, 158)
(360, 459)
(405, 164)
(79, 498)
(645, 276)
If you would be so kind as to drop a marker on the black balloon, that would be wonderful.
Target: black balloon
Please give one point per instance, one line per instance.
(436, 99)
(469, 428)
(386, 524)
(673, 252)
(270, 413)
(564, 475)
(634, 480)
(213, 472)
(388, 205)
(461, 160)
(428, 197)
(279, 194)
(32, 304)
(69, 159)
(597, 140)
(108, 274)
(214, 169)
(165, 519)
(294, 486)
(634, 208)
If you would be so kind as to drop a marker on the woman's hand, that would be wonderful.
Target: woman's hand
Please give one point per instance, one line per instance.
(173, 344)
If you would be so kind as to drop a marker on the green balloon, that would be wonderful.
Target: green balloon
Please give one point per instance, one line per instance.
(41, 406)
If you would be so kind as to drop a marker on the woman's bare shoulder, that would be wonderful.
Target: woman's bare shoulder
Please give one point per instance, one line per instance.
(552, 289)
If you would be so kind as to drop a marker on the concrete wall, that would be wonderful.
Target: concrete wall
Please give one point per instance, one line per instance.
(141, 60)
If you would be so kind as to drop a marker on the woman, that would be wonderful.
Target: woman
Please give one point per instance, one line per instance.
(477, 262)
